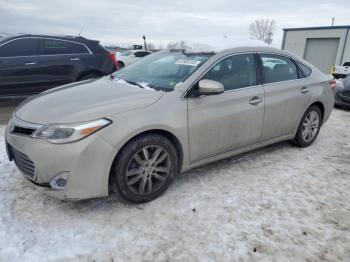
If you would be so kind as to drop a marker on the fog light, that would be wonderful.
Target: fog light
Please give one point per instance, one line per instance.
(59, 181)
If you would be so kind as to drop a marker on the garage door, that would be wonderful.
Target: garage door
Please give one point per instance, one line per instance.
(322, 52)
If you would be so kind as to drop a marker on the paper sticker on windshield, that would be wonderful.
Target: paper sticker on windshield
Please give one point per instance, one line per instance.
(188, 62)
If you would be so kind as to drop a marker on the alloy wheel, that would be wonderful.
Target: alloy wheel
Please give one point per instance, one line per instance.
(310, 126)
(148, 170)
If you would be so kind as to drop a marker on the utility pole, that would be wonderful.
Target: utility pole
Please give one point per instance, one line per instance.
(333, 19)
(144, 42)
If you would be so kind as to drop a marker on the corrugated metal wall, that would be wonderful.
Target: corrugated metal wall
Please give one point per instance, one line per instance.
(323, 47)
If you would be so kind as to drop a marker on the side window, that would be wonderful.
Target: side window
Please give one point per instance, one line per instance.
(278, 68)
(234, 72)
(304, 69)
(20, 47)
(79, 49)
(59, 47)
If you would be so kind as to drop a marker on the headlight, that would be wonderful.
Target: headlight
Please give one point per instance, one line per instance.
(68, 133)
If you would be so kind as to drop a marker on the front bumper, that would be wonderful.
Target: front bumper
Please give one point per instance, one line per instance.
(86, 163)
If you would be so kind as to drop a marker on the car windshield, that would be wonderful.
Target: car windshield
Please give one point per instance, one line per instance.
(162, 70)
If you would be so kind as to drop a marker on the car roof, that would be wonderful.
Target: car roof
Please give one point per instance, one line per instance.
(61, 37)
(215, 44)
(227, 44)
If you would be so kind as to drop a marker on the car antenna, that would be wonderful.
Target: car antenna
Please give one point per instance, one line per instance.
(82, 29)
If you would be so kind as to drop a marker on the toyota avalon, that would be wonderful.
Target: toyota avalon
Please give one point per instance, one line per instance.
(133, 131)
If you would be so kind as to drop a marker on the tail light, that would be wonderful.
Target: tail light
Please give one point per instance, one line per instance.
(113, 58)
(333, 84)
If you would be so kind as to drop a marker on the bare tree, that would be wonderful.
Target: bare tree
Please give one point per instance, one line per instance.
(177, 45)
(263, 29)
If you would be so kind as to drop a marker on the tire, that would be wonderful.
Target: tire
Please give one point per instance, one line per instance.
(304, 138)
(120, 65)
(89, 76)
(139, 180)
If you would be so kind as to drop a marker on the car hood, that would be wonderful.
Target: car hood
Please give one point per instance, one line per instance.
(85, 101)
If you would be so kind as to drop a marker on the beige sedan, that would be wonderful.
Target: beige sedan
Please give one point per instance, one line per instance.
(133, 131)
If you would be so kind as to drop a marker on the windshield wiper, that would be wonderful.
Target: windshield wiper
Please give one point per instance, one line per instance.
(159, 88)
(129, 82)
(133, 83)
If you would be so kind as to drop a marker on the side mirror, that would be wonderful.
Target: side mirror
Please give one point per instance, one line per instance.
(210, 87)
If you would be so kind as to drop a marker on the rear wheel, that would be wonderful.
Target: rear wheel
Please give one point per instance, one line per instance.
(145, 168)
(309, 127)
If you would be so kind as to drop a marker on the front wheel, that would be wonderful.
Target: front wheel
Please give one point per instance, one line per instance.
(309, 127)
(145, 168)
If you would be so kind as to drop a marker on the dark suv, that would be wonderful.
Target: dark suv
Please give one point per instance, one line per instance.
(30, 64)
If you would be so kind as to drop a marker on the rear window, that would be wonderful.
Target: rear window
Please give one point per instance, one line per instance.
(124, 53)
(278, 68)
(19, 47)
(60, 47)
(304, 69)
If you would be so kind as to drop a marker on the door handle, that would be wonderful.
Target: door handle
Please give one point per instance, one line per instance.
(255, 100)
(74, 59)
(304, 90)
(30, 63)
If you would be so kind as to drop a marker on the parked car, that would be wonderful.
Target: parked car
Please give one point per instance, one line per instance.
(30, 64)
(341, 71)
(127, 57)
(133, 131)
(342, 93)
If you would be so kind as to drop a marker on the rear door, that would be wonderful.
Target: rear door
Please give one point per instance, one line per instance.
(19, 67)
(61, 61)
(286, 97)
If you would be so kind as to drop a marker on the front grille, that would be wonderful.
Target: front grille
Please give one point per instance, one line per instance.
(23, 131)
(23, 163)
(21, 127)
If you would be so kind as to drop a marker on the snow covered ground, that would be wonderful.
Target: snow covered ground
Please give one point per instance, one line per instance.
(280, 202)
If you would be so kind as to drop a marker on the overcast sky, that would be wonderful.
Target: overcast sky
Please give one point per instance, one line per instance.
(114, 21)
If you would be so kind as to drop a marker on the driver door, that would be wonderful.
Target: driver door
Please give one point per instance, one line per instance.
(231, 120)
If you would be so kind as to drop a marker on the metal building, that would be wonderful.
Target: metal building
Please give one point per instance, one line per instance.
(321, 46)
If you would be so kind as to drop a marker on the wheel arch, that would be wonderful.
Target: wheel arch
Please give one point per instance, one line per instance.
(167, 134)
(317, 103)
(321, 106)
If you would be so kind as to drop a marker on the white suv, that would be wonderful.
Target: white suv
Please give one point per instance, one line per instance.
(128, 57)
